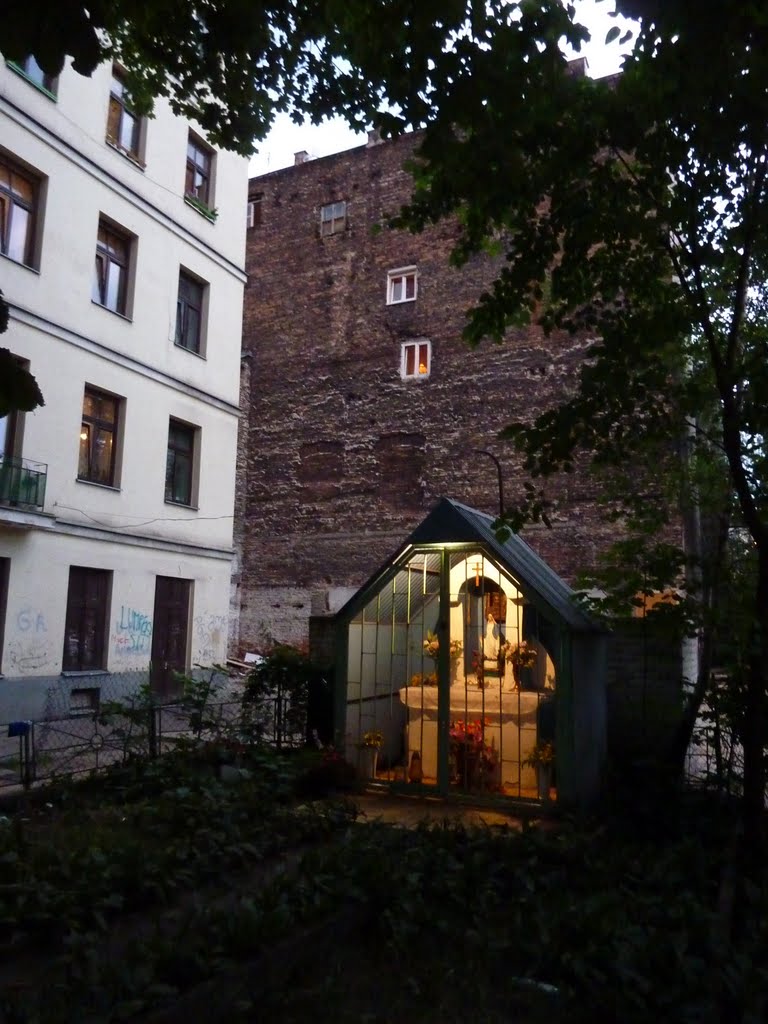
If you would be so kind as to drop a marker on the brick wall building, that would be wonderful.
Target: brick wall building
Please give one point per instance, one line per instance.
(346, 444)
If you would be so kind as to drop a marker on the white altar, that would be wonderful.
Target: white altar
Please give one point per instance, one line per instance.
(510, 725)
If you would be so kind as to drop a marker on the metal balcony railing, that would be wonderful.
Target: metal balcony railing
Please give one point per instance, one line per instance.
(22, 482)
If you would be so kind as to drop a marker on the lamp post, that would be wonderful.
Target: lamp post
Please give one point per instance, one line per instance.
(480, 451)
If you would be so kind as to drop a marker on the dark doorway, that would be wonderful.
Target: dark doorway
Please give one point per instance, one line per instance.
(169, 634)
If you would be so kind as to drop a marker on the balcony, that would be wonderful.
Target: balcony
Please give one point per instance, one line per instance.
(22, 483)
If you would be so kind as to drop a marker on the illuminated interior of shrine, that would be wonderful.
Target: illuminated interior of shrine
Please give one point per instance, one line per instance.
(478, 720)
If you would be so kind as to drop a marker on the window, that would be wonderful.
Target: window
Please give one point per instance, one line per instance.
(123, 126)
(8, 430)
(198, 184)
(18, 202)
(179, 465)
(84, 700)
(5, 572)
(401, 285)
(189, 313)
(11, 425)
(110, 283)
(333, 218)
(416, 359)
(254, 211)
(98, 437)
(87, 615)
(32, 70)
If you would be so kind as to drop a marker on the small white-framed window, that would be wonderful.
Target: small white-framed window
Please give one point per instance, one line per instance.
(253, 219)
(402, 285)
(333, 218)
(416, 359)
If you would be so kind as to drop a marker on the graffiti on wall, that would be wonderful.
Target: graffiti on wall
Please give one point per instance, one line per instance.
(31, 620)
(133, 633)
(30, 650)
(210, 637)
(29, 656)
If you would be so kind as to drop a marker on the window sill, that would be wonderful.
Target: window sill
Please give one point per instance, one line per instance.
(126, 154)
(181, 504)
(36, 85)
(191, 351)
(114, 312)
(95, 483)
(72, 673)
(400, 302)
(406, 378)
(18, 263)
(210, 214)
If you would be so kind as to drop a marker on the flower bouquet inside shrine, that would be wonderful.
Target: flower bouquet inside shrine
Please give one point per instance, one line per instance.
(519, 655)
(473, 762)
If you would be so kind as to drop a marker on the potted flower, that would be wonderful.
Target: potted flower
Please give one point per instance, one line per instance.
(471, 757)
(478, 666)
(431, 645)
(369, 747)
(542, 759)
(432, 649)
(521, 655)
(417, 679)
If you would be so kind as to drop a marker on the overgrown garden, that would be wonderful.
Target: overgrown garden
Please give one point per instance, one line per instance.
(226, 879)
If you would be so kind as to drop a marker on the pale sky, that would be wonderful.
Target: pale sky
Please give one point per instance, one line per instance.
(287, 138)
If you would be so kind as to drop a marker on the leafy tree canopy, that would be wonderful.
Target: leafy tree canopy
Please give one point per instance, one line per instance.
(233, 64)
(632, 213)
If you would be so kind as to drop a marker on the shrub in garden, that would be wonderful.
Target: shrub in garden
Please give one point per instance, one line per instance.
(330, 773)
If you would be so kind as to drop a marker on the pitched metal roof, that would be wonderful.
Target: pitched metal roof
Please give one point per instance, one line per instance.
(451, 522)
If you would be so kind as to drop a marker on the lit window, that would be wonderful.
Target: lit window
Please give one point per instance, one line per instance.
(189, 313)
(123, 126)
(416, 359)
(180, 463)
(402, 285)
(333, 218)
(18, 202)
(110, 281)
(98, 437)
(32, 71)
(198, 184)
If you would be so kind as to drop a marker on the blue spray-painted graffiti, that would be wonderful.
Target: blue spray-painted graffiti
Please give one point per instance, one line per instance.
(133, 633)
(30, 621)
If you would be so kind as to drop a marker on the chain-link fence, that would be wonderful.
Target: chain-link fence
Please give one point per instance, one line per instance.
(36, 751)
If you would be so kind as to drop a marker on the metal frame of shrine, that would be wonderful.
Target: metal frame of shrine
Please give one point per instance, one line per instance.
(465, 666)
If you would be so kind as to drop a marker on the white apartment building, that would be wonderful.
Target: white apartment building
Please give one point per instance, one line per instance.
(122, 246)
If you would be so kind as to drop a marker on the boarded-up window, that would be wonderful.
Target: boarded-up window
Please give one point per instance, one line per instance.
(321, 469)
(401, 464)
(86, 622)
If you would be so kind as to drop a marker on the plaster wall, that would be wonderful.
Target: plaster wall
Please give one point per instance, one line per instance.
(70, 342)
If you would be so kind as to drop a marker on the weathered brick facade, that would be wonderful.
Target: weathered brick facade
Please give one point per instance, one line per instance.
(342, 457)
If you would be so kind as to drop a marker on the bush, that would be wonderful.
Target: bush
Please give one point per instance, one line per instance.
(331, 773)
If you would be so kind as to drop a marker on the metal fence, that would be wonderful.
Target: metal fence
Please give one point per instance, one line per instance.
(43, 750)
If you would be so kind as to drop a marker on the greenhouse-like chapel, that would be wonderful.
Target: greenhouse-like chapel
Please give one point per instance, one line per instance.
(464, 665)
